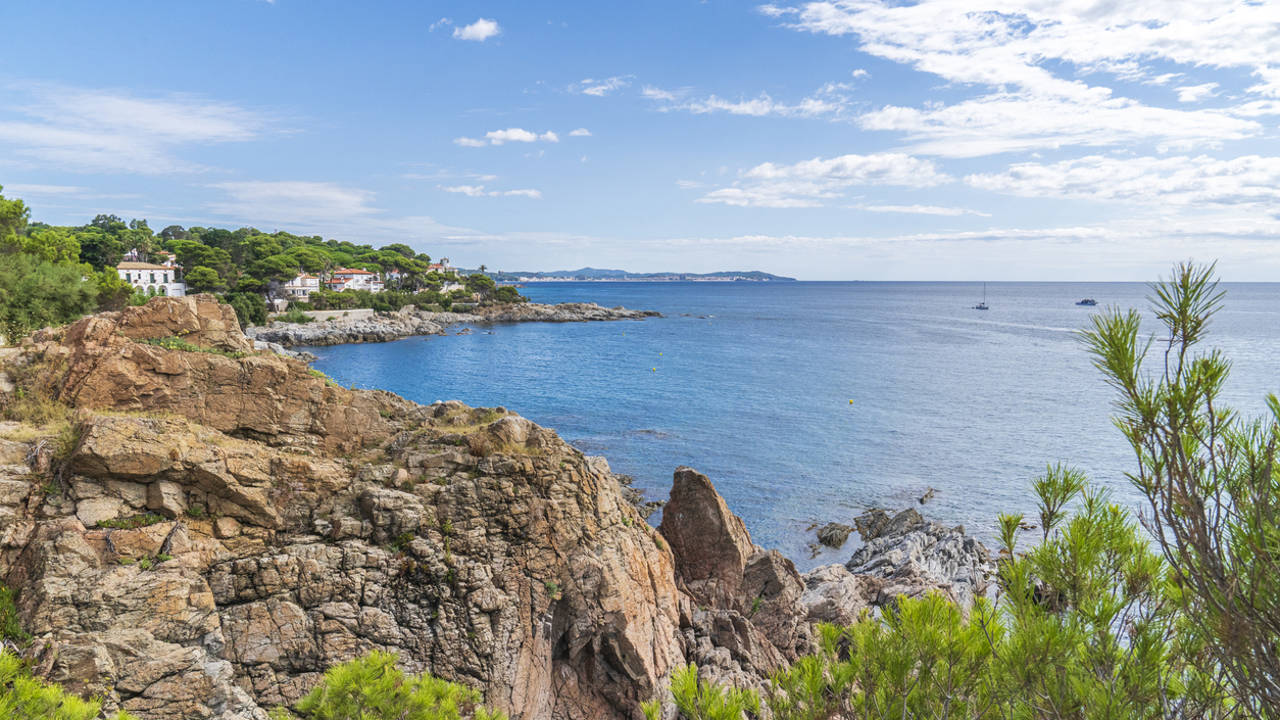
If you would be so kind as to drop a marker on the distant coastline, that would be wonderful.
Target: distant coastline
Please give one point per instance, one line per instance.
(588, 274)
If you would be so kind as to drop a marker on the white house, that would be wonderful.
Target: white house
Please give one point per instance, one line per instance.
(153, 279)
(354, 279)
(301, 287)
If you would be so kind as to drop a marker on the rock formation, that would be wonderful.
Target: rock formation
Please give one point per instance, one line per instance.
(408, 321)
(211, 527)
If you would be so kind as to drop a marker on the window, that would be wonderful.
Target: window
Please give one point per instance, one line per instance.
(153, 277)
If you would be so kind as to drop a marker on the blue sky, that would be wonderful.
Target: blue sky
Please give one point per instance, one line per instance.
(858, 139)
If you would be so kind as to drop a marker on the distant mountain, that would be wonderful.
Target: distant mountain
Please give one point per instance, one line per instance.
(588, 273)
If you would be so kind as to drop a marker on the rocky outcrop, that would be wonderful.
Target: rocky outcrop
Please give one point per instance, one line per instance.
(215, 526)
(386, 326)
(914, 556)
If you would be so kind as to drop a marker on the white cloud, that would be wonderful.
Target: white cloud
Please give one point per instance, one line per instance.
(104, 131)
(1003, 122)
(479, 31)
(808, 183)
(500, 137)
(1029, 55)
(580, 132)
(17, 190)
(480, 191)
(1192, 182)
(1196, 93)
(601, 87)
(831, 99)
(922, 210)
(653, 93)
(292, 201)
(442, 22)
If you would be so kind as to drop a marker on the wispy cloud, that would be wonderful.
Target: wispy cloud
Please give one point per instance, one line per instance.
(811, 182)
(829, 100)
(480, 191)
(599, 87)
(478, 31)
(1197, 182)
(110, 131)
(922, 210)
(580, 132)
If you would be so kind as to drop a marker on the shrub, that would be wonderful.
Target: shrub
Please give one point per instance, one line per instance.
(10, 627)
(1210, 480)
(175, 343)
(23, 697)
(371, 687)
(294, 315)
(133, 522)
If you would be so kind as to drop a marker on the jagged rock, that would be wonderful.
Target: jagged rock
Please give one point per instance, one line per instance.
(833, 535)
(710, 543)
(835, 595)
(913, 556)
(877, 523)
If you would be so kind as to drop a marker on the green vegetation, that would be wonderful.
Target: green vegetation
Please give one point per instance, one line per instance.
(1097, 619)
(176, 343)
(10, 629)
(294, 315)
(371, 687)
(51, 275)
(23, 697)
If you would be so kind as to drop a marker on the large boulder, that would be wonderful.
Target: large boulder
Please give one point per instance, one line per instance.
(710, 543)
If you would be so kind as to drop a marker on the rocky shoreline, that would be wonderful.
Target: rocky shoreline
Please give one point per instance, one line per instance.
(208, 530)
(409, 321)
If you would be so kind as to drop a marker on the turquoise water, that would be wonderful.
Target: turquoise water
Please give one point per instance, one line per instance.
(751, 383)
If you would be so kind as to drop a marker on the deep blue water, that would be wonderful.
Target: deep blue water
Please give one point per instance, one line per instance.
(751, 384)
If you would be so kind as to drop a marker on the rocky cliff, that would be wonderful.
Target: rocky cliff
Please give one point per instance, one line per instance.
(195, 529)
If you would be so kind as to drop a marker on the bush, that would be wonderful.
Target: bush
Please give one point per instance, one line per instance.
(10, 627)
(373, 688)
(250, 307)
(1210, 480)
(23, 697)
(294, 315)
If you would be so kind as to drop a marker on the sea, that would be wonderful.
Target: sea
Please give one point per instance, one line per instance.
(812, 402)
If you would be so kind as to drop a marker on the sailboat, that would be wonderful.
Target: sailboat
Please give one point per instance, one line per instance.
(982, 305)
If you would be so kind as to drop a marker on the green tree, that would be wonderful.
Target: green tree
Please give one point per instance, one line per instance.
(1210, 478)
(373, 688)
(250, 307)
(35, 293)
(13, 217)
(202, 279)
(99, 247)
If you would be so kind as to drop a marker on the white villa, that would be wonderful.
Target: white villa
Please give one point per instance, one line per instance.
(153, 279)
(354, 279)
(301, 287)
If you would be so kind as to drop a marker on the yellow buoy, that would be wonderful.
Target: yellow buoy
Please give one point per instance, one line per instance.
(850, 402)
(655, 369)
(659, 352)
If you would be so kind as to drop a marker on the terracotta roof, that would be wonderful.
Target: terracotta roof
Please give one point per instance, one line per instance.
(351, 271)
(143, 266)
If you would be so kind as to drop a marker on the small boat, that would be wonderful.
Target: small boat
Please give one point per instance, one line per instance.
(983, 305)
(1088, 302)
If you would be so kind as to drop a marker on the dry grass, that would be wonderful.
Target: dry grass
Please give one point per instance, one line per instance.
(465, 422)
